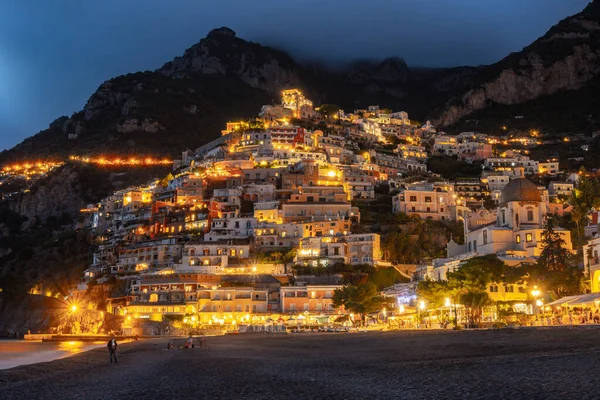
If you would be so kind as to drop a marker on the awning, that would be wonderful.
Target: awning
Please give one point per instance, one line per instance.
(578, 300)
(585, 299)
(563, 300)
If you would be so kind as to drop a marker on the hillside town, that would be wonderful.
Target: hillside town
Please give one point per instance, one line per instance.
(272, 222)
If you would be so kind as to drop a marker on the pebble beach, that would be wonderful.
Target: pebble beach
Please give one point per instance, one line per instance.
(527, 363)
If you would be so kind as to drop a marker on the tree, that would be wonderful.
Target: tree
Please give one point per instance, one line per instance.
(584, 197)
(329, 110)
(164, 182)
(360, 299)
(554, 255)
(468, 284)
(474, 301)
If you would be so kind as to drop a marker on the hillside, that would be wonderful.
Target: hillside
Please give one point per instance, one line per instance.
(186, 103)
(561, 65)
(145, 113)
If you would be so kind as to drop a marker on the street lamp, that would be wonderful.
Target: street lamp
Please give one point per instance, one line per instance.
(73, 308)
(535, 293)
(421, 307)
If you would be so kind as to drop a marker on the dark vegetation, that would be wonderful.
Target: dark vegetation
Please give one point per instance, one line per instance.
(453, 167)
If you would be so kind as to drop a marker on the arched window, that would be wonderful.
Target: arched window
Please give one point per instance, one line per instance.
(530, 215)
(192, 252)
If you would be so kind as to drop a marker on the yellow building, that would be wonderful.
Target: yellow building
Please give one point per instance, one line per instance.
(294, 100)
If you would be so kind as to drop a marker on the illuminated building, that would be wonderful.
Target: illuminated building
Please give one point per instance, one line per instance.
(560, 188)
(518, 227)
(294, 100)
(591, 261)
(427, 200)
(148, 255)
(309, 298)
(350, 249)
(550, 167)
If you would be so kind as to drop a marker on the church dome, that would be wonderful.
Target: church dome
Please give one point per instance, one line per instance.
(521, 189)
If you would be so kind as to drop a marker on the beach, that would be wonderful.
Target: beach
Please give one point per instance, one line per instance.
(558, 362)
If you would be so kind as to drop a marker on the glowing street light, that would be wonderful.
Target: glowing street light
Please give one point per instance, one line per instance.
(421, 307)
(73, 308)
(539, 303)
(535, 293)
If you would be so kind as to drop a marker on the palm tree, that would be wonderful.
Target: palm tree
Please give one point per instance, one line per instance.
(474, 303)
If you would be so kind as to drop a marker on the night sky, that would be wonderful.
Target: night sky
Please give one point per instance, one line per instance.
(55, 53)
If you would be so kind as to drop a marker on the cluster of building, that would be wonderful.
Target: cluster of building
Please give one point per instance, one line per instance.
(215, 241)
(18, 177)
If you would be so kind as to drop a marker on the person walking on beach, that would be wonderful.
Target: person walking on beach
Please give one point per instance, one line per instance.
(112, 349)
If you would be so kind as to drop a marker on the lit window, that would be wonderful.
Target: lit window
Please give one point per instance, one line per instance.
(529, 237)
(518, 239)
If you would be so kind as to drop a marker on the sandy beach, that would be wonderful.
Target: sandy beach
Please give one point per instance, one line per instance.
(518, 364)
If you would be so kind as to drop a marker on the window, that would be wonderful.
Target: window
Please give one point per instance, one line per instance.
(413, 198)
(427, 199)
(485, 237)
(470, 246)
(503, 216)
(509, 289)
(529, 214)
(529, 238)
(518, 239)
(493, 289)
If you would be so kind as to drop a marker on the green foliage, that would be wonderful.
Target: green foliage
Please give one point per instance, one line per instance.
(453, 168)
(584, 198)
(329, 110)
(418, 239)
(554, 256)
(164, 182)
(360, 299)
(43, 256)
(386, 277)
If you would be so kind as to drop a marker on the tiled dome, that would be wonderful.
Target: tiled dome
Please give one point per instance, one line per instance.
(520, 189)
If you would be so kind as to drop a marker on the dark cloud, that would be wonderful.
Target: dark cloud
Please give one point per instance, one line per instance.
(55, 53)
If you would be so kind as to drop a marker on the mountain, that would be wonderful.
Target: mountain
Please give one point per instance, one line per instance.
(186, 103)
(556, 68)
(552, 82)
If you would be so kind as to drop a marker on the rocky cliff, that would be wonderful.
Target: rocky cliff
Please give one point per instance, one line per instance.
(566, 58)
(223, 53)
